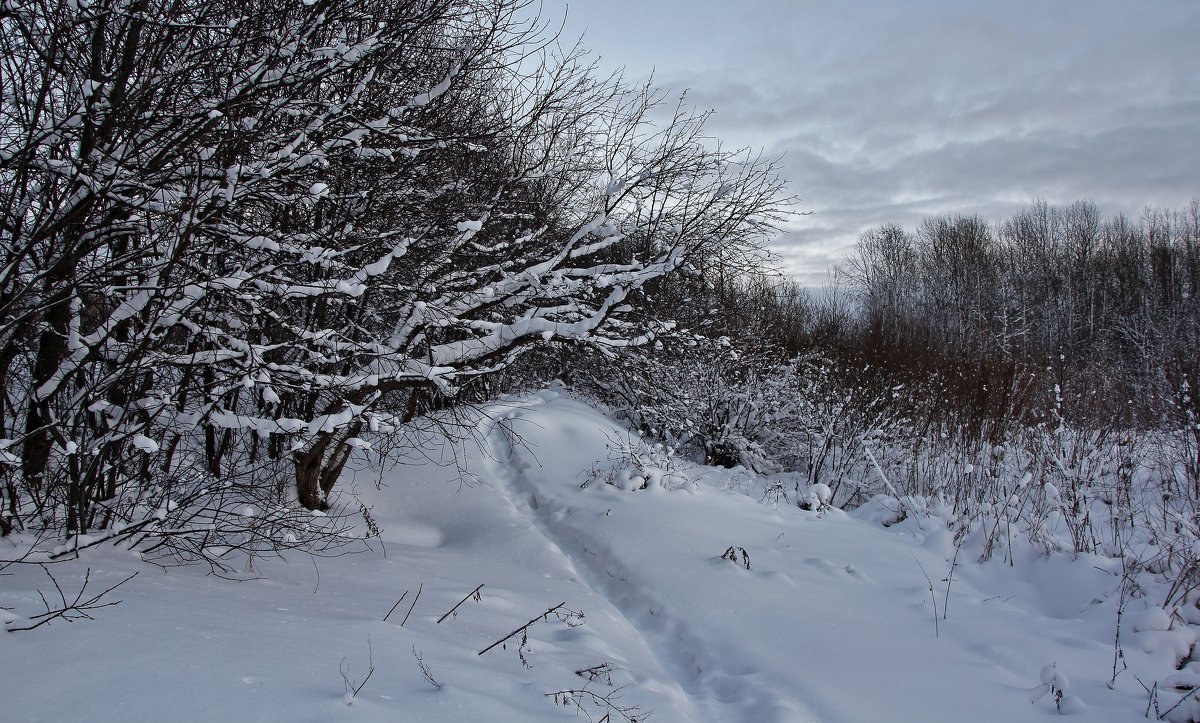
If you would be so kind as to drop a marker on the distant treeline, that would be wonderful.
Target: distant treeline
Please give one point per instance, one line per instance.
(961, 328)
(1105, 308)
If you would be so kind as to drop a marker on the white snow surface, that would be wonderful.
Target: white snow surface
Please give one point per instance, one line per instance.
(833, 620)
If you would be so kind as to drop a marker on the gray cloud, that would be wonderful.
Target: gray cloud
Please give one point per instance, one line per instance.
(888, 112)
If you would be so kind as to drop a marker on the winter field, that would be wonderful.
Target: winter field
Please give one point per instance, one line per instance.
(608, 558)
(358, 357)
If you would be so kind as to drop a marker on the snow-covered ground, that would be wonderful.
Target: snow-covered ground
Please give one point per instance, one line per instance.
(820, 616)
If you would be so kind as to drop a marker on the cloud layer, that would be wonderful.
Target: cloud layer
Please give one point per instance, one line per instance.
(889, 112)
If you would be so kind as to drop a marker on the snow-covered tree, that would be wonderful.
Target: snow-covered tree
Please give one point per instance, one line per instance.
(236, 235)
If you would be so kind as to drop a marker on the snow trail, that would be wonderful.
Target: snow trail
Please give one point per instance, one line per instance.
(832, 621)
(717, 688)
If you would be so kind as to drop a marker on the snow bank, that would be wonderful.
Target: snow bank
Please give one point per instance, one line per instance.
(820, 616)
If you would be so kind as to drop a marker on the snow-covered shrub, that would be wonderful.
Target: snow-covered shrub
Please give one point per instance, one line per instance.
(1181, 446)
(836, 417)
(634, 464)
(818, 497)
(728, 406)
(1056, 686)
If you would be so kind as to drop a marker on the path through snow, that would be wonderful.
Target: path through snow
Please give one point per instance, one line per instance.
(832, 622)
(717, 689)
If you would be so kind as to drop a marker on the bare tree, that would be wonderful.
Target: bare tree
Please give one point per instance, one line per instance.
(238, 238)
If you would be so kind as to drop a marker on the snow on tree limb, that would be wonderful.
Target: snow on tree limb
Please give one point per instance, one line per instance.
(238, 235)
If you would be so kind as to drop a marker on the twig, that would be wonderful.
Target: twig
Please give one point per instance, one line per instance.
(426, 673)
(949, 581)
(414, 604)
(124, 532)
(351, 688)
(552, 611)
(1167, 712)
(601, 672)
(1153, 699)
(360, 685)
(473, 594)
(385, 617)
(731, 555)
(73, 610)
(932, 596)
(883, 476)
(1119, 652)
(608, 702)
(879, 470)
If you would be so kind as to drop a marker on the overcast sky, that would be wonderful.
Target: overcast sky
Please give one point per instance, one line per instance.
(889, 111)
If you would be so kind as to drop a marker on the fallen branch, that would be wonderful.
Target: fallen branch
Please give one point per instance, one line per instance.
(473, 594)
(608, 702)
(561, 611)
(1167, 712)
(76, 609)
(601, 672)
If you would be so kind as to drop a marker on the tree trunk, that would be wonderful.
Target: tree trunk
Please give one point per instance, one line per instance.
(52, 347)
(318, 467)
